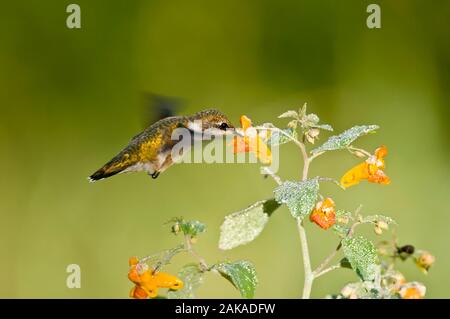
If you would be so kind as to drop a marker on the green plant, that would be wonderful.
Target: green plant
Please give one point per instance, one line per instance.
(374, 265)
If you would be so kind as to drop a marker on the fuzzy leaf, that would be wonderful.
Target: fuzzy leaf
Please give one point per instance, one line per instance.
(361, 254)
(344, 139)
(292, 124)
(312, 119)
(241, 274)
(300, 197)
(341, 230)
(343, 214)
(244, 226)
(192, 278)
(375, 218)
(302, 110)
(292, 114)
(163, 258)
(345, 263)
(325, 127)
(278, 138)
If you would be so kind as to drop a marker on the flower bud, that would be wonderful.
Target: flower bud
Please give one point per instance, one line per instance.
(425, 261)
(350, 291)
(383, 225)
(377, 229)
(176, 228)
(312, 134)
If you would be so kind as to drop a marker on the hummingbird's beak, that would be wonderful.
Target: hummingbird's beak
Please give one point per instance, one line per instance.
(237, 132)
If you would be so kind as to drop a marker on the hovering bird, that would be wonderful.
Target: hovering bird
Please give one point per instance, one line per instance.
(150, 151)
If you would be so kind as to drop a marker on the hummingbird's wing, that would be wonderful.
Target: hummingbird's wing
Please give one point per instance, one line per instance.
(157, 107)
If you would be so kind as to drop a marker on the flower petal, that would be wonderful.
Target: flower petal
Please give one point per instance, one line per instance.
(138, 293)
(245, 122)
(355, 175)
(381, 151)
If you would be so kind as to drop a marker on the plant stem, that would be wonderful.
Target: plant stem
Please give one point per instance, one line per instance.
(353, 149)
(275, 177)
(319, 271)
(306, 161)
(190, 249)
(326, 270)
(327, 179)
(309, 276)
(312, 157)
(327, 260)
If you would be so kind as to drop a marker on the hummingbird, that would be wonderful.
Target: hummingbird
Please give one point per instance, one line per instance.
(150, 150)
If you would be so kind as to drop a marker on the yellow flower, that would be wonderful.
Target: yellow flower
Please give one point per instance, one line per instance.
(251, 142)
(371, 170)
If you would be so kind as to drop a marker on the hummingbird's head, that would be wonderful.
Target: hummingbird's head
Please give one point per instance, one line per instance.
(212, 121)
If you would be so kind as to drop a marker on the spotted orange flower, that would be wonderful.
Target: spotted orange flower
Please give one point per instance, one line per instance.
(324, 214)
(251, 142)
(165, 280)
(147, 282)
(371, 170)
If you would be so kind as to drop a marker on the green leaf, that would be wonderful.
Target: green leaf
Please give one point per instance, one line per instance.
(341, 230)
(345, 263)
(241, 274)
(291, 114)
(377, 218)
(361, 254)
(343, 214)
(312, 119)
(162, 258)
(302, 110)
(300, 197)
(192, 227)
(344, 139)
(325, 127)
(192, 278)
(244, 226)
(278, 138)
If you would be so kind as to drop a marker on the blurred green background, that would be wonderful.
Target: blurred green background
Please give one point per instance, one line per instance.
(71, 99)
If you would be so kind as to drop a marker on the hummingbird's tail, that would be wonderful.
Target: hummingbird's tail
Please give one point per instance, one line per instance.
(118, 164)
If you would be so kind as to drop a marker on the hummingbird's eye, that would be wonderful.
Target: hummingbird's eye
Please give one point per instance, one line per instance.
(223, 126)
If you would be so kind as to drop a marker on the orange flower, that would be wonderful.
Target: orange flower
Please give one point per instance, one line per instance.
(147, 282)
(371, 170)
(412, 290)
(324, 214)
(165, 280)
(140, 293)
(251, 142)
(411, 293)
